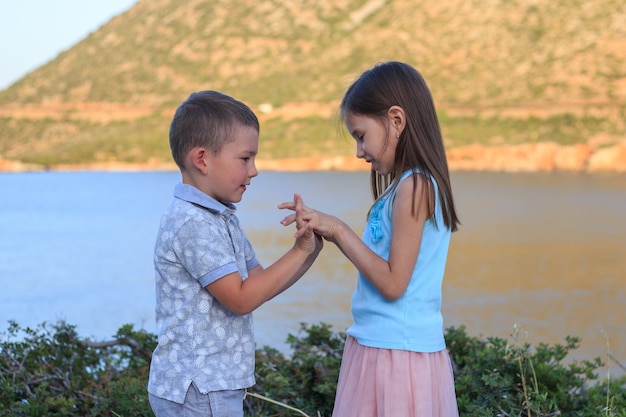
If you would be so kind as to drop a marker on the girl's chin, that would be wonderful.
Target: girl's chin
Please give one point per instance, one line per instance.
(376, 169)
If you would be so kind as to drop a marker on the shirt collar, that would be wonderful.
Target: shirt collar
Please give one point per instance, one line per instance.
(193, 195)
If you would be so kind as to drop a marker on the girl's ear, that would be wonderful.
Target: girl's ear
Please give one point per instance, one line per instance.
(397, 118)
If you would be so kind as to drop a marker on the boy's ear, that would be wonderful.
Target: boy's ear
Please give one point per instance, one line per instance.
(397, 118)
(198, 159)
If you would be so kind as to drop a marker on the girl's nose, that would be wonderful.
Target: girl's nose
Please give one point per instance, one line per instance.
(359, 151)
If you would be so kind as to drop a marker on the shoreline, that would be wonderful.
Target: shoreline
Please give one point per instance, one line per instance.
(544, 157)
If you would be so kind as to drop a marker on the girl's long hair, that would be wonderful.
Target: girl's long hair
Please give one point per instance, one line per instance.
(420, 144)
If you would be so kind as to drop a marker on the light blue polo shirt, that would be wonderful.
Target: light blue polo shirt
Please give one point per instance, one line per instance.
(199, 340)
(414, 321)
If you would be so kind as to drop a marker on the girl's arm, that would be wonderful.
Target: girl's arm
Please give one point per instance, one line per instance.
(244, 296)
(390, 278)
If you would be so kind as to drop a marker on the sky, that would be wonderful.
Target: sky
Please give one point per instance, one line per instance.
(33, 32)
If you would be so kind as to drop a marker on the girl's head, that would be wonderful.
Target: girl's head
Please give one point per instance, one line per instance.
(395, 97)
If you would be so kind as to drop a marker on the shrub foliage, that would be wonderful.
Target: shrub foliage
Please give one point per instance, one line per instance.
(51, 371)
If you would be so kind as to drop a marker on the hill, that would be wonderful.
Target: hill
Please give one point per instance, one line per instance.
(503, 73)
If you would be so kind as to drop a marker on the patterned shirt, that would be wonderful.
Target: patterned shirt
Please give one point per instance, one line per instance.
(199, 241)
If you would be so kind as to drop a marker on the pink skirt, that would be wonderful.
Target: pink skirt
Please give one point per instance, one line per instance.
(394, 383)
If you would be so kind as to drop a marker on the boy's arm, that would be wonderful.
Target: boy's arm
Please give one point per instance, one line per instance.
(244, 296)
(305, 267)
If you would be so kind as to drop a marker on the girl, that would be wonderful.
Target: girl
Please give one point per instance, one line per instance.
(395, 361)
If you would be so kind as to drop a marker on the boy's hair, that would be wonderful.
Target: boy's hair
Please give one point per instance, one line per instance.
(207, 119)
(420, 144)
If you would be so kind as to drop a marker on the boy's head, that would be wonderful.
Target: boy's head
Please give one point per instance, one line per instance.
(207, 119)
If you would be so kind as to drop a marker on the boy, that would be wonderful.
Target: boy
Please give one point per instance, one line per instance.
(208, 279)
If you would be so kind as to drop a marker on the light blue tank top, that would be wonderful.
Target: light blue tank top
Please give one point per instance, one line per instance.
(414, 321)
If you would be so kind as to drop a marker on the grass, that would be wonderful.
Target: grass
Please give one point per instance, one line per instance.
(69, 141)
(563, 129)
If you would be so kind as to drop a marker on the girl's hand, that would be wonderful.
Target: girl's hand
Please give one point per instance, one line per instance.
(322, 224)
(306, 239)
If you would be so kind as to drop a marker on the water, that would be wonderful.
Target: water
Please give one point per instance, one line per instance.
(540, 256)
(78, 246)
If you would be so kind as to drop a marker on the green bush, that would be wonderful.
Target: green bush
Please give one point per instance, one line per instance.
(496, 378)
(51, 371)
(306, 380)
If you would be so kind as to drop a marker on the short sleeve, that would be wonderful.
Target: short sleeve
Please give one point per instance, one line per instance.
(204, 247)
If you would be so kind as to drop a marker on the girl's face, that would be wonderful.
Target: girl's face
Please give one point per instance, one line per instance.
(375, 142)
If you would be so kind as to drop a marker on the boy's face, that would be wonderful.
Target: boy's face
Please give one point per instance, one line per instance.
(231, 169)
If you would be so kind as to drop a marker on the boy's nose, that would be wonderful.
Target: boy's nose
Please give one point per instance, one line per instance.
(253, 172)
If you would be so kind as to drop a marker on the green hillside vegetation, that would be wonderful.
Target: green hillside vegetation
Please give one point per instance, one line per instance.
(501, 72)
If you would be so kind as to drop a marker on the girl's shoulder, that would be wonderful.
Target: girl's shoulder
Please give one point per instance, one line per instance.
(403, 182)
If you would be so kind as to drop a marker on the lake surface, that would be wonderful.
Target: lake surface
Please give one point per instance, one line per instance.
(539, 256)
